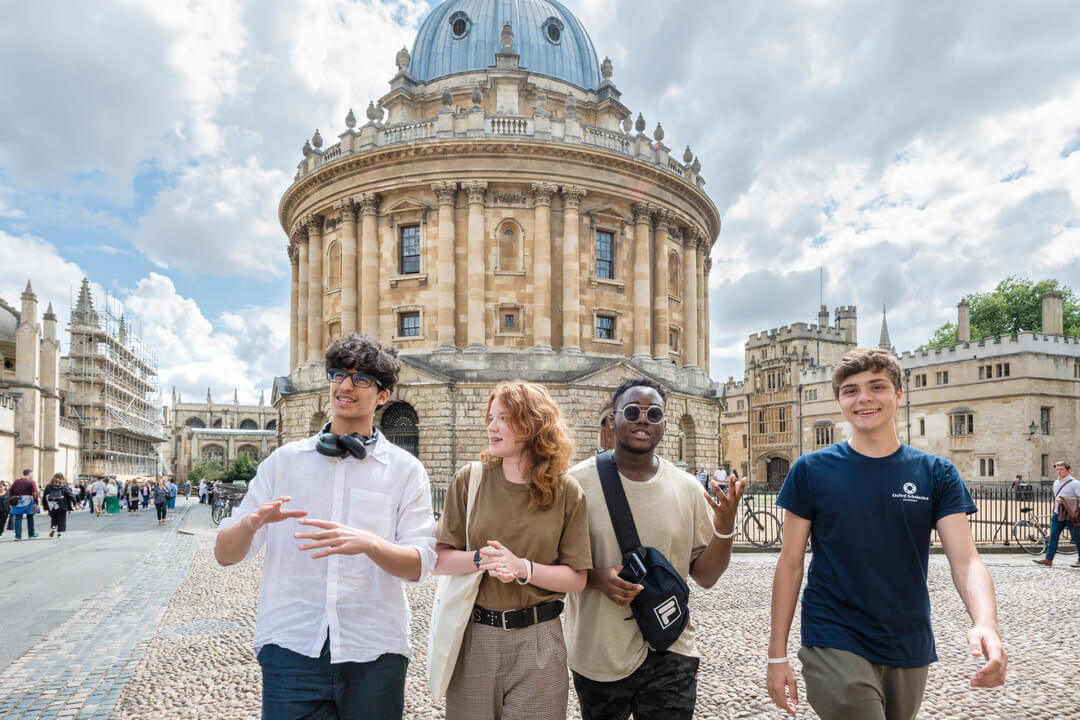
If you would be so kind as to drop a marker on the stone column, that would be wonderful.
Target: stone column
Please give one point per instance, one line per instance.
(660, 290)
(541, 315)
(642, 290)
(707, 362)
(315, 347)
(447, 269)
(294, 291)
(369, 264)
(347, 210)
(476, 333)
(690, 300)
(703, 307)
(302, 298)
(571, 314)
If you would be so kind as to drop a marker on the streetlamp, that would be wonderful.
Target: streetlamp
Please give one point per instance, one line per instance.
(1032, 429)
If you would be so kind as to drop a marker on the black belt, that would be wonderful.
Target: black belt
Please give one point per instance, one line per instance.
(516, 619)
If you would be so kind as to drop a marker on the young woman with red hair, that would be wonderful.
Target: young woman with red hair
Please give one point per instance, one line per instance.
(531, 528)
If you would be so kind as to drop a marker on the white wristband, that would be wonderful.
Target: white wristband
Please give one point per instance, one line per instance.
(528, 572)
(776, 661)
(723, 536)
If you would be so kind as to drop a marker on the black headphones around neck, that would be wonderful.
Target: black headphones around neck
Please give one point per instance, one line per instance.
(338, 446)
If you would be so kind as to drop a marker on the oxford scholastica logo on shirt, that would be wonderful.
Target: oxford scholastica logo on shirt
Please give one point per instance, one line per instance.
(910, 494)
(668, 612)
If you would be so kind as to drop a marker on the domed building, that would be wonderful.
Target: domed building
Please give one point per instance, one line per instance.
(500, 215)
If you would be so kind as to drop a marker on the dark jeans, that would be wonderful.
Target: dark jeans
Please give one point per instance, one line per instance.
(90, 501)
(1056, 526)
(296, 687)
(59, 520)
(3, 522)
(160, 510)
(663, 688)
(29, 526)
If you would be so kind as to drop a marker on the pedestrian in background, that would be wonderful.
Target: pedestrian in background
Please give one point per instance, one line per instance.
(98, 486)
(59, 500)
(144, 492)
(171, 489)
(134, 494)
(85, 495)
(112, 500)
(161, 500)
(5, 507)
(1065, 486)
(23, 496)
(703, 477)
(187, 491)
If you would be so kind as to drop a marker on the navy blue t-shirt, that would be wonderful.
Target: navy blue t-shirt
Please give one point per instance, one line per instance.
(870, 529)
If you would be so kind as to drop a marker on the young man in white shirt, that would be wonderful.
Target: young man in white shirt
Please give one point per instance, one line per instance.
(1065, 486)
(332, 632)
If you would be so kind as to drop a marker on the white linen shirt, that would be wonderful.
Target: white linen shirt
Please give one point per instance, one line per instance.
(300, 599)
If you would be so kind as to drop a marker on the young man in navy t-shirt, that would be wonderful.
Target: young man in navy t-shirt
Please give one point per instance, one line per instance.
(868, 505)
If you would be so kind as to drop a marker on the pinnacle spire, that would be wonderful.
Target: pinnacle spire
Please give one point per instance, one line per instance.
(884, 342)
(84, 313)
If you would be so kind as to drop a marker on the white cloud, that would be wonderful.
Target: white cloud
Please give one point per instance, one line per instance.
(54, 280)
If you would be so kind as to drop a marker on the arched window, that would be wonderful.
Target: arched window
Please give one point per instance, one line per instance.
(673, 275)
(509, 239)
(194, 422)
(217, 423)
(214, 451)
(250, 450)
(333, 267)
(399, 424)
(686, 442)
(606, 438)
(272, 425)
(248, 424)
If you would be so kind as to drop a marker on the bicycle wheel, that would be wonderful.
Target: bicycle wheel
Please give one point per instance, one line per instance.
(1030, 537)
(217, 514)
(762, 528)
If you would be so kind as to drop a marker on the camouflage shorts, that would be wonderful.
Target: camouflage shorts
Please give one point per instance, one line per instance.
(663, 688)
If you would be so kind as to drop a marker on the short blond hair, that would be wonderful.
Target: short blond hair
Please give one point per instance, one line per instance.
(863, 359)
(1063, 464)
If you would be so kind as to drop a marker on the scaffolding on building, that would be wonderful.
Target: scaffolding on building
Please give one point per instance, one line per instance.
(113, 392)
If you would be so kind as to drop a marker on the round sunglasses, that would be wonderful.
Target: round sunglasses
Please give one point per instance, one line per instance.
(654, 414)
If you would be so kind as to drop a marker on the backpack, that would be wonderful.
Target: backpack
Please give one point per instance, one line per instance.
(54, 498)
(661, 609)
(172, 490)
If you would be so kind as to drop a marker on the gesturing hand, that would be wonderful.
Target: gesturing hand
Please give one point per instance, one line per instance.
(726, 505)
(336, 539)
(271, 512)
(500, 563)
(986, 643)
(616, 589)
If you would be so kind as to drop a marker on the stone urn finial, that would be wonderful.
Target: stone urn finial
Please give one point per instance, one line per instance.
(316, 140)
(696, 167)
(507, 36)
(687, 155)
(627, 124)
(403, 60)
(374, 114)
(658, 133)
(639, 124)
(307, 148)
(447, 99)
(477, 96)
(606, 68)
(350, 120)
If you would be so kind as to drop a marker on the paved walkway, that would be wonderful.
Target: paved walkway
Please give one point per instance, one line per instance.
(77, 669)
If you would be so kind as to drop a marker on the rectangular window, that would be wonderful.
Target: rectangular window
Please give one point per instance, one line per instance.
(922, 426)
(761, 422)
(1006, 369)
(744, 442)
(982, 372)
(409, 324)
(783, 420)
(508, 321)
(410, 249)
(1044, 463)
(920, 380)
(943, 377)
(605, 327)
(823, 435)
(962, 424)
(1044, 420)
(605, 255)
(739, 405)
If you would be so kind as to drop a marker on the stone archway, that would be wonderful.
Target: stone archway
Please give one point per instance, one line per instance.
(400, 424)
(687, 435)
(776, 469)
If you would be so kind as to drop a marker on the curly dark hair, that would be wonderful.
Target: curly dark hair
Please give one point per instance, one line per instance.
(365, 354)
(637, 382)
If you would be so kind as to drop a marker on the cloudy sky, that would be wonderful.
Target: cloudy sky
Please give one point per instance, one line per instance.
(917, 151)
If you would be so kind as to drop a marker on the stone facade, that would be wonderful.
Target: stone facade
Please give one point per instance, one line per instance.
(501, 224)
(997, 407)
(193, 430)
(33, 433)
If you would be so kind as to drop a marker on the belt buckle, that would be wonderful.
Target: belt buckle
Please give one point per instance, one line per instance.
(477, 616)
(502, 616)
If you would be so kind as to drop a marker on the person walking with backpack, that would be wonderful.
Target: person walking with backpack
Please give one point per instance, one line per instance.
(23, 496)
(616, 671)
(134, 492)
(59, 500)
(171, 488)
(527, 523)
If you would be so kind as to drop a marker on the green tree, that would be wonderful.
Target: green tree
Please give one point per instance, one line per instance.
(1014, 306)
(242, 469)
(208, 467)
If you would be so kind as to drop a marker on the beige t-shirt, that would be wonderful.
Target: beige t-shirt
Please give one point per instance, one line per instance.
(556, 536)
(671, 515)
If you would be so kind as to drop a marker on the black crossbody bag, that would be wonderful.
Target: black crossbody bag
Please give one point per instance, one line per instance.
(661, 609)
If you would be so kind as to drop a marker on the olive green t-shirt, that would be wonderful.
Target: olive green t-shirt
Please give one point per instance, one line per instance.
(556, 536)
(671, 515)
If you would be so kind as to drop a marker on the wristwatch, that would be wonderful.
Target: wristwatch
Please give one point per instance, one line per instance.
(476, 559)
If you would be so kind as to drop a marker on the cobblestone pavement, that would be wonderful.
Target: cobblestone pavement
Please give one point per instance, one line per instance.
(80, 668)
(200, 663)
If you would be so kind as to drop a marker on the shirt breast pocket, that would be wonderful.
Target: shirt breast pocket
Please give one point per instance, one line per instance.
(371, 511)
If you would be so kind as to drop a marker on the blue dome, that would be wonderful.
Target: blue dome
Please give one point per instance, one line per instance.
(462, 35)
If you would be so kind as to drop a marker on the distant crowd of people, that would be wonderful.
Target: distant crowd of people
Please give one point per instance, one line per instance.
(23, 498)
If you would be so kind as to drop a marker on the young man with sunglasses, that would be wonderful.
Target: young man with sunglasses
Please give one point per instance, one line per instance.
(616, 673)
(332, 632)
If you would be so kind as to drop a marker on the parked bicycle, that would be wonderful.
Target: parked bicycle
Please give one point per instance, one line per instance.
(1032, 532)
(225, 499)
(762, 528)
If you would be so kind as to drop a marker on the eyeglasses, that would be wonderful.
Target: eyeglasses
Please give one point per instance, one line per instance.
(654, 414)
(359, 380)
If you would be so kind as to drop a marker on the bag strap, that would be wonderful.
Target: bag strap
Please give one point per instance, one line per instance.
(476, 473)
(1060, 489)
(618, 507)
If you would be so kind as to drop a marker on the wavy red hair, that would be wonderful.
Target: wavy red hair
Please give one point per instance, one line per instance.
(536, 420)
